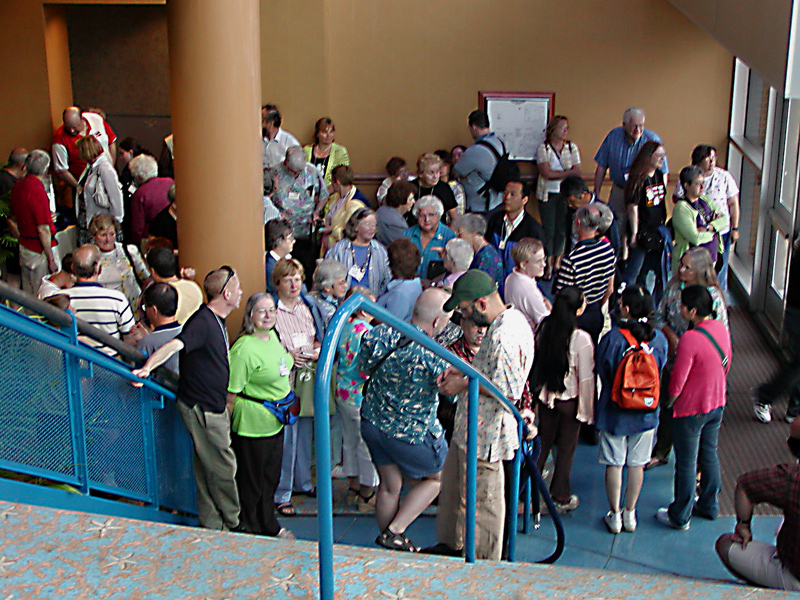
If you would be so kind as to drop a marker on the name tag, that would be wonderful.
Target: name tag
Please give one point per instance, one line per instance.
(356, 273)
(502, 245)
(295, 196)
(299, 340)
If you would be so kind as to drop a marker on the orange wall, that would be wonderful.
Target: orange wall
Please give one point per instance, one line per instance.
(401, 77)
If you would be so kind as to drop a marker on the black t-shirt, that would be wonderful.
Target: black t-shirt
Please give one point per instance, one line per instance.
(204, 361)
(651, 199)
(442, 191)
(7, 181)
(164, 225)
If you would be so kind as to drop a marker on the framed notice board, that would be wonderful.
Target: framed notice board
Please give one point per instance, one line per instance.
(519, 119)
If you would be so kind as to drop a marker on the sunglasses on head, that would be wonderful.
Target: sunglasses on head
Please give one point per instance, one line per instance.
(230, 272)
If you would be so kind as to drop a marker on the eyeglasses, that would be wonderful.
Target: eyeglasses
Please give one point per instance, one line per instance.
(231, 273)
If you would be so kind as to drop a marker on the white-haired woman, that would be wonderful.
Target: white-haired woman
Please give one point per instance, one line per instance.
(101, 191)
(472, 228)
(457, 258)
(150, 197)
(362, 255)
(430, 235)
(330, 287)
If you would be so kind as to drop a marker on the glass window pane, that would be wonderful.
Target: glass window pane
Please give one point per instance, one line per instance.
(755, 124)
(780, 252)
(749, 196)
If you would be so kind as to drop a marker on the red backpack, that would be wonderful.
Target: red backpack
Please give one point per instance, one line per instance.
(637, 382)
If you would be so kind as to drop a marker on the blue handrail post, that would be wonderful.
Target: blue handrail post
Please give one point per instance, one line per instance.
(526, 514)
(149, 438)
(322, 432)
(472, 469)
(75, 398)
(514, 500)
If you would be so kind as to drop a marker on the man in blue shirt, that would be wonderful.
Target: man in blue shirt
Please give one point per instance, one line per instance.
(615, 156)
(476, 165)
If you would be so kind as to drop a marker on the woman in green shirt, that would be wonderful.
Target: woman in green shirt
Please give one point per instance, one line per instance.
(260, 368)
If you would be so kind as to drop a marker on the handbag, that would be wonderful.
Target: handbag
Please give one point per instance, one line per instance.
(304, 378)
(100, 196)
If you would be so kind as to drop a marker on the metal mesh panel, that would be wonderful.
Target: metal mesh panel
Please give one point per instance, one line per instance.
(174, 460)
(35, 427)
(114, 438)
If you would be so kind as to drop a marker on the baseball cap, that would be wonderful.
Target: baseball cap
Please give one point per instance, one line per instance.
(470, 286)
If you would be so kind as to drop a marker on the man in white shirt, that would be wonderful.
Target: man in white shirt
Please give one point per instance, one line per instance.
(275, 141)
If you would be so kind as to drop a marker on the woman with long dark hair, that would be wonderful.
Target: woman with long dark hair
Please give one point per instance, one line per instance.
(645, 200)
(626, 436)
(324, 153)
(564, 378)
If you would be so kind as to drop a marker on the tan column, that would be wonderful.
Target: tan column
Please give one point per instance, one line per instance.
(215, 80)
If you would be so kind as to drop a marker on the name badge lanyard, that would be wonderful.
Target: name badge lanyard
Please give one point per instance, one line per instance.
(357, 271)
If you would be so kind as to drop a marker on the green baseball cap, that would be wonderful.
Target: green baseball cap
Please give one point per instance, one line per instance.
(470, 286)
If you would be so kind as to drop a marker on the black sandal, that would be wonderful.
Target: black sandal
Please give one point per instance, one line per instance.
(395, 541)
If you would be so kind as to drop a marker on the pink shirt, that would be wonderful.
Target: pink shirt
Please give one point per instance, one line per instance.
(522, 293)
(698, 378)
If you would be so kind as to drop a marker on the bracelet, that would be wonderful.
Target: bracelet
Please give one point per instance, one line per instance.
(734, 229)
(743, 522)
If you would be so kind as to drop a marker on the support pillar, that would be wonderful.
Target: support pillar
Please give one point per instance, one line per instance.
(215, 81)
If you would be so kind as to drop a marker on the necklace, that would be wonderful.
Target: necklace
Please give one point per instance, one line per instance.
(222, 328)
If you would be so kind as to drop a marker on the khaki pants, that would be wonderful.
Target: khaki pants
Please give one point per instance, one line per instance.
(214, 467)
(34, 267)
(490, 514)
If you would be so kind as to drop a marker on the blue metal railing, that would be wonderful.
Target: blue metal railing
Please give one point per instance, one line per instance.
(322, 433)
(71, 417)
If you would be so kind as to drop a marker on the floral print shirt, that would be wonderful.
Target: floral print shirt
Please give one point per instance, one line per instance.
(403, 396)
(669, 309)
(349, 380)
(505, 357)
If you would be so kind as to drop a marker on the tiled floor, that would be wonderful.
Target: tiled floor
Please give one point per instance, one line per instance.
(46, 553)
(651, 549)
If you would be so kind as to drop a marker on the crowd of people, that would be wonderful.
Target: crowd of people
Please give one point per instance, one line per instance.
(606, 319)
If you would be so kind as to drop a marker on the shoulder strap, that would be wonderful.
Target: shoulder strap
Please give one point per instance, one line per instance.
(133, 266)
(401, 343)
(486, 144)
(722, 357)
(629, 337)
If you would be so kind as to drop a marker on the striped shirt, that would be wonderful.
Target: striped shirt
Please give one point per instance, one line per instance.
(295, 327)
(588, 266)
(108, 310)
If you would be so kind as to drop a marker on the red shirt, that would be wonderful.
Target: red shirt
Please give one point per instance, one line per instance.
(62, 141)
(30, 208)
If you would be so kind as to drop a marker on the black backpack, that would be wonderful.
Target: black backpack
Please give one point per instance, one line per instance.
(504, 171)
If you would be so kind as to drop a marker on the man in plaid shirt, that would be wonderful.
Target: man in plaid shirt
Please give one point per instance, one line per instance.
(756, 562)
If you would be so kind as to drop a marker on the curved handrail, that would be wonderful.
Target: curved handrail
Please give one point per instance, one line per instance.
(322, 385)
(62, 319)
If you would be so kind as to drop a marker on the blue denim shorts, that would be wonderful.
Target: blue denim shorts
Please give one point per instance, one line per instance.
(416, 461)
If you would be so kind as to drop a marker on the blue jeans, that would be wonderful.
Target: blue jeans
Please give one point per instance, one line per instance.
(296, 463)
(695, 440)
(640, 263)
(726, 254)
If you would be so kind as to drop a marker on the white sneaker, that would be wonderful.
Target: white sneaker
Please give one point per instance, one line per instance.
(613, 521)
(285, 534)
(789, 418)
(337, 472)
(762, 412)
(629, 520)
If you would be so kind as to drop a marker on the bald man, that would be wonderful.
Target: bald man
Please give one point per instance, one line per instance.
(67, 163)
(108, 310)
(398, 418)
(13, 171)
